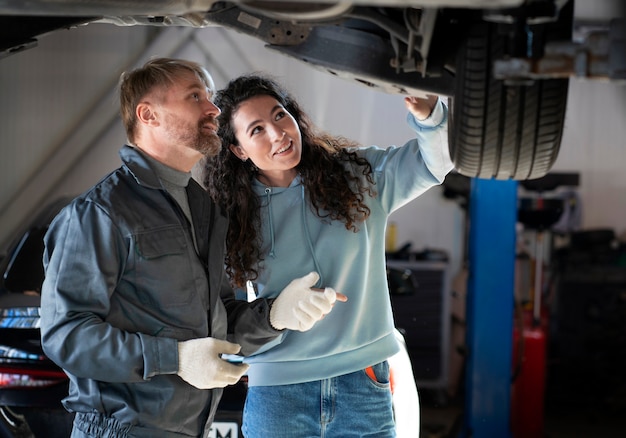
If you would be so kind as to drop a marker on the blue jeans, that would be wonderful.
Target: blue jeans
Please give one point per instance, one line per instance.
(352, 405)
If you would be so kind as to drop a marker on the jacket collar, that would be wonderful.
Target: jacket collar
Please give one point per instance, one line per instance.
(139, 167)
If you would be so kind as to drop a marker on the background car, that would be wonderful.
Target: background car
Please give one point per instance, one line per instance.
(31, 385)
(504, 64)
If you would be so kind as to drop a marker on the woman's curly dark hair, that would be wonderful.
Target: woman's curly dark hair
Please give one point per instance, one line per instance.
(336, 179)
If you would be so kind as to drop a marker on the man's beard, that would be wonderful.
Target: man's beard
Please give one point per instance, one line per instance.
(195, 137)
(208, 144)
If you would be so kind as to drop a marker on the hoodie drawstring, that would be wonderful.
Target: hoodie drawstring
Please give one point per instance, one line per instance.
(308, 238)
(268, 194)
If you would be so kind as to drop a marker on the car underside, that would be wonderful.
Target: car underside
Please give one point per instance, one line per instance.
(503, 64)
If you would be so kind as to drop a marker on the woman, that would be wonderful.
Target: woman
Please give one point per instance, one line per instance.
(300, 201)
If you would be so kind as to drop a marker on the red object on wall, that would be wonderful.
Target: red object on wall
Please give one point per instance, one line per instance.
(529, 372)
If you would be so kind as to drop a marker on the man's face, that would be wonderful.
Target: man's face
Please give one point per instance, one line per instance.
(189, 117)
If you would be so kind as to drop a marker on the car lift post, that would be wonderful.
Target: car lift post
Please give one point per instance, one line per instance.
(490, 302)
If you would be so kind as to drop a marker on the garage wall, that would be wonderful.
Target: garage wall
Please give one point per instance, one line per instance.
(594, 143)
(59, 131)
(53, 103)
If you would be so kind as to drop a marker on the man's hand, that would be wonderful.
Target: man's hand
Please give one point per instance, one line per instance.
(200, 363)
(299, 306)
(421, 107)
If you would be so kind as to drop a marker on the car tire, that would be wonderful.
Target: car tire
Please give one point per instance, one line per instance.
(497, 129)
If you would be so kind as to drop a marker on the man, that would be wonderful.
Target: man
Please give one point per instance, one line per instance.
(136, 307)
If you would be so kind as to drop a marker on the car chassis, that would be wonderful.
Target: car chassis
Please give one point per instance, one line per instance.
(503, 64)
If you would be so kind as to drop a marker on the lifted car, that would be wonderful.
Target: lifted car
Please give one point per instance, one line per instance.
(504, 64)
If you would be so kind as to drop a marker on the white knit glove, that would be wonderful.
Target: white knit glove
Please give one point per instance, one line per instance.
(200, 363)
(299, 307)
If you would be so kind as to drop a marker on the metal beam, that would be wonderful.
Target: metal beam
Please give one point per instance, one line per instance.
(490, 301)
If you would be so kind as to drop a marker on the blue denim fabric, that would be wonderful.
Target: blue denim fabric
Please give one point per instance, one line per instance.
(352, 405)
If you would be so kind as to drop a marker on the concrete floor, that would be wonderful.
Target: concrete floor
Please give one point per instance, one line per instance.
(584, 419)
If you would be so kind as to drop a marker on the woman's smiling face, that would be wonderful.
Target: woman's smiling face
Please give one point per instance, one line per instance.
(270, 137)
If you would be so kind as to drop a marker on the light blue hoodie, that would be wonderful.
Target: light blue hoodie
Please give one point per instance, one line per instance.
(360, 332)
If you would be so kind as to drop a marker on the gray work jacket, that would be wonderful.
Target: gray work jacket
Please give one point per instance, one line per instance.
(123, 285)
